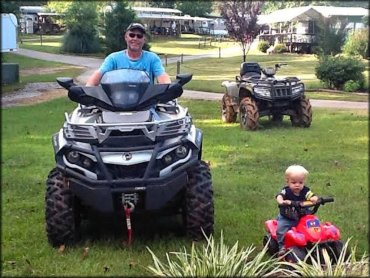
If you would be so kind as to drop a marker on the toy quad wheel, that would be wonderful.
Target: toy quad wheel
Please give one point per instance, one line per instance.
(335, 250)
(198, 210)
(228, 114)
(248, 114)
(295, 254)
(272, 245)
(303, 115)
(62, 211)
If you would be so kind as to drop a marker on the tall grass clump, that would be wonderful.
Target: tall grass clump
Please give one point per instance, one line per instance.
(346, 264)
(216, 259)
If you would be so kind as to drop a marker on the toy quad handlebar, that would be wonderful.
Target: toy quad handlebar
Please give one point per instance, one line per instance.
(302, 206)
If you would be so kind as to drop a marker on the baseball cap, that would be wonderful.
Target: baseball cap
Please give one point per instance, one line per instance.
(137, 26)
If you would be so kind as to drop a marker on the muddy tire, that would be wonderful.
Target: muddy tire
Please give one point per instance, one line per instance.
(248, 114)
(228, 115)
(304, 114)
(198, 209)
(61, 211)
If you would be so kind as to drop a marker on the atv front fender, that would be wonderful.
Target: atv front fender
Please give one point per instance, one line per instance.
(232, 89)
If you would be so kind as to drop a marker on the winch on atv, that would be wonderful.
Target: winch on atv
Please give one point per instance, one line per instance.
(256, 92)
(127, 148)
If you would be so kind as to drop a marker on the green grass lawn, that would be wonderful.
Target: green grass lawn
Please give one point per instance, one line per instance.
(247, 171)
(209, 73)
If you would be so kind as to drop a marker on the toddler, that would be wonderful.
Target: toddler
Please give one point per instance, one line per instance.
(294, 190)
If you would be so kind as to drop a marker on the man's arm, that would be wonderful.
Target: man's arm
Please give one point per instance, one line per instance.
(94, 79)
(164, 79)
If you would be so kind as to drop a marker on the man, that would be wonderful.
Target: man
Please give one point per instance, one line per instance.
(134, 57)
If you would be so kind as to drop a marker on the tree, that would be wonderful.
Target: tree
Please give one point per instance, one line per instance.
(163, 3)
(241, 21)
(331, 36)
(13, 6)
(202, 8)
(116, 23)
(273, 5)
(81, 21)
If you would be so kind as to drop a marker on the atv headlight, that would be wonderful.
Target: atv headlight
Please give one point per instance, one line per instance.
(181, 151)
(262, 91)
(297, 89)
(167, 159)
(73, 157)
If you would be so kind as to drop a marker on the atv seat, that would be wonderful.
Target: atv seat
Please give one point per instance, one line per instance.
(250, 70)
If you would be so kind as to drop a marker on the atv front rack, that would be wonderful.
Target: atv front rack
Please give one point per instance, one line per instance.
(89, 132)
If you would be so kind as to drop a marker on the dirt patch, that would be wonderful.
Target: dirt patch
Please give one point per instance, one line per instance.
(33, 93)
(31, 71)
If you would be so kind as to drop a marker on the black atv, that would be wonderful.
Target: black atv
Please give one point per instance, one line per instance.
(257, 93)
(127, 146)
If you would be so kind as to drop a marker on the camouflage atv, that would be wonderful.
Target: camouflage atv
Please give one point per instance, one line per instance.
(257, 93)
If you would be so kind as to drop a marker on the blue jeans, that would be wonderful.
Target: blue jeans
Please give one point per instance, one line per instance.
(283, 225)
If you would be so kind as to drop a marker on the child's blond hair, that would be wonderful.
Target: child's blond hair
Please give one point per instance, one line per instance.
(296, 169)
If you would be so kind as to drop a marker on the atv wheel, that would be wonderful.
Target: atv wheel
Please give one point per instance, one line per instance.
(61, 213)
(272, 245)
(248, 114)
(304, 114)
(199, 211)
(228, 115)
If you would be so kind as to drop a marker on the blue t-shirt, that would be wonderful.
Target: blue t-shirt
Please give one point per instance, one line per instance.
(149, 62)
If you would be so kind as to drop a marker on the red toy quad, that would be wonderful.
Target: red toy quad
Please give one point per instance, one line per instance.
(308, 232)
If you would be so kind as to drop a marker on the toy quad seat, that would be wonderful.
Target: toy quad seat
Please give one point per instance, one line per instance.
(250, 70)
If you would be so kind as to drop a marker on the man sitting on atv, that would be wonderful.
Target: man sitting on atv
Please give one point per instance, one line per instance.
(294, 191)
(134, 57)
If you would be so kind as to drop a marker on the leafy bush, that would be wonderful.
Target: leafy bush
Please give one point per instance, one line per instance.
(357, 43)
(82, 35)
(263, 46)
(336, 71)
(352, 86)
(280, 48)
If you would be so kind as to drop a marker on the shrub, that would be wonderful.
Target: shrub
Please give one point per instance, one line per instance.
(357, 43)
(336, 71)
(280, 48)
(263, 46)
(352, 86)
(82, 35)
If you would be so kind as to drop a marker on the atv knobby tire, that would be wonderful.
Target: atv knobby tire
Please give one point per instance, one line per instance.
(228, 115)
(198, 209)
(248, 114)
(61, 212)
(304, 114)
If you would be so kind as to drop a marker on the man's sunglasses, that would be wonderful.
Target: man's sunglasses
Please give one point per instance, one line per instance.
(133, 35)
